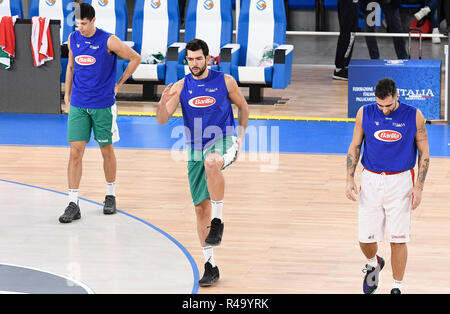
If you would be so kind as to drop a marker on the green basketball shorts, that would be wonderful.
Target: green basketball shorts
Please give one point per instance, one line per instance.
(226, 147)
(82, 121)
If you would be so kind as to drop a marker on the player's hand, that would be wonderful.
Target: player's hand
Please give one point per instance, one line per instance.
(351, 190)
(167, 94)
(239, 143)
(67, 102)
(416, 194)
(116, 90)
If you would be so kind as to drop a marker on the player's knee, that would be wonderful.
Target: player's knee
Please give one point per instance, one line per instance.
(213, 163)
(210, 165)
(398, 246)
(76, 153)
(108, 154)
(201, 210)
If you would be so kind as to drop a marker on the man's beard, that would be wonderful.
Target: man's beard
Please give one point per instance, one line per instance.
(200, 73)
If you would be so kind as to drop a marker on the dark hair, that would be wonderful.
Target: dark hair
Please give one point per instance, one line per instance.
(197, 44)
(84, 11)
(385, 88)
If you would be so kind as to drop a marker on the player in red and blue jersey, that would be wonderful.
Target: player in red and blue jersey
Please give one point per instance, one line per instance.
(393, 133)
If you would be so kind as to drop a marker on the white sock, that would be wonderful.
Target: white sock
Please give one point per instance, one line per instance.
(73, 195)
(208, 254)
(372, 261)
(217, 209)
(396, 284)
(111, 188)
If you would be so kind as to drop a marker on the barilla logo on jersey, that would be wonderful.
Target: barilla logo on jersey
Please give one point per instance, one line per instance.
(261, 5)
(202, 101)
(208, 4)
(50, 2)
(155, 4)
(388, 136)
(85, 60)
(103, 3)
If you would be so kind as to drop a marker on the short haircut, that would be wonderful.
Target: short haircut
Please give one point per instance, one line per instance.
(385, 88)
(84, 11)
(198, 44)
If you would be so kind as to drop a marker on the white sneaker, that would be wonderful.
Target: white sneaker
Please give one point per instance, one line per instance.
(422, 13)
(436, 40)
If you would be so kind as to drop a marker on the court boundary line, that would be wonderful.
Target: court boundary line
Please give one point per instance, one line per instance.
(251, 117)
(88, 289)
(172, 239)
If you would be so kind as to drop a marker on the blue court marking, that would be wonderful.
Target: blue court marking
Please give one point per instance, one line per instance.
(311, 137)
(178, 244)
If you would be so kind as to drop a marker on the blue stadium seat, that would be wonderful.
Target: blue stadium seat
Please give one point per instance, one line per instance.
(211, 21)
(156, 27)
(11, 8)
(262, 27)
(111, 16)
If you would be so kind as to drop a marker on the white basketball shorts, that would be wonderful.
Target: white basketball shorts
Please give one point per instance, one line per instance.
(384, 202)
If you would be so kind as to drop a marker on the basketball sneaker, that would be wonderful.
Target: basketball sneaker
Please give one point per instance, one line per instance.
(71, 213)
(370, 283)
(341, 74)
(210, 276)
(396, 291)
(214, 237)
(110, 205)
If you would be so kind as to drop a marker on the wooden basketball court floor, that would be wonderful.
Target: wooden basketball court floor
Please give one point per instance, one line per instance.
(288, 229)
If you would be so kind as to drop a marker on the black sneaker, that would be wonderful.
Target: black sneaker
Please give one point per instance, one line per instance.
(447, 31)
(370, 283)
(71, 213)
(396, 291)
(215, 233)
(110, 205)
(341, 74)
(210, 276)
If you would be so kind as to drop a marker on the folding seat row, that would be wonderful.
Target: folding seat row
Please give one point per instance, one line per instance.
(259, 58)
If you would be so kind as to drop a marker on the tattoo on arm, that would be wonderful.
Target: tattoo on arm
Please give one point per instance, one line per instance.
(422, 134)
(349, 161)
(352, 161)
(358, 151)
(422, 129)
(423, 169)
(424, 157)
